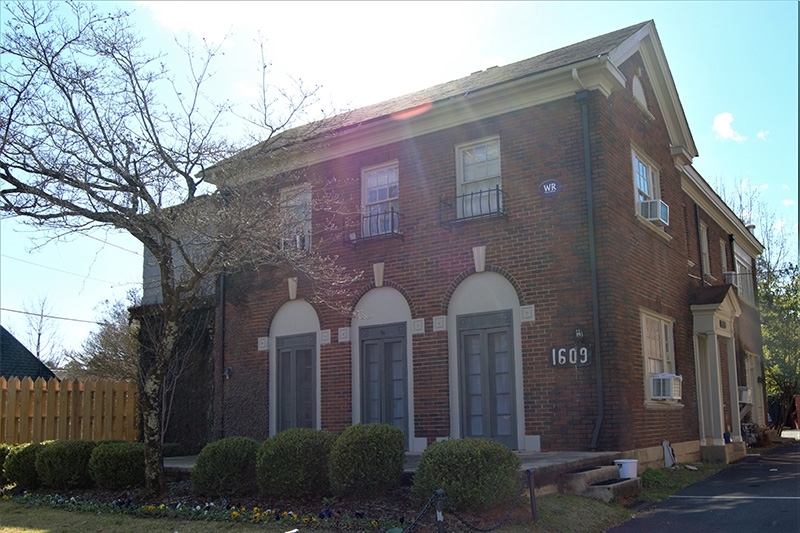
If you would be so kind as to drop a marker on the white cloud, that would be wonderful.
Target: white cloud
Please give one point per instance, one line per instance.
(788, 202)
(722, 126)
(762, 134)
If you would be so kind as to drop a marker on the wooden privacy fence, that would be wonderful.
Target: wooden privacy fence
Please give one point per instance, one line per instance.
(36, 411)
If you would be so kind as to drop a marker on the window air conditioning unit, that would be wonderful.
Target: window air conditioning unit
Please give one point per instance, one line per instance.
(745, 395)
(665, 387)
(731, 278)
(655, 211)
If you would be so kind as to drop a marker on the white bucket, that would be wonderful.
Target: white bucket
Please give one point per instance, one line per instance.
(627, 467)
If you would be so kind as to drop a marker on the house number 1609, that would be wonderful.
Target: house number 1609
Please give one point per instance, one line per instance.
(570, 355)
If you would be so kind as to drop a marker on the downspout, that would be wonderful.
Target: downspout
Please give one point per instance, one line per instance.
(583, 97)
(222, 351)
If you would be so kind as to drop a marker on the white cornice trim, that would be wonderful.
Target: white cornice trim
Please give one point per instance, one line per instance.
(595, 74)
(646, 42)
(709, 201)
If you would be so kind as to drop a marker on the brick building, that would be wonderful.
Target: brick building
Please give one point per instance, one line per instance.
(544, 267)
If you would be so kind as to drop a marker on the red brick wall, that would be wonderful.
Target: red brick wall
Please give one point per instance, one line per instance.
(541, 248)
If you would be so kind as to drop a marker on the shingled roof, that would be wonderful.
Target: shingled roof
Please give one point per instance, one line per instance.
(569, 55)
(478, 81)
(18, 361)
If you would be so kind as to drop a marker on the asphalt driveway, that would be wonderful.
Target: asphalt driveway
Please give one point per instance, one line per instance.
(758, 493)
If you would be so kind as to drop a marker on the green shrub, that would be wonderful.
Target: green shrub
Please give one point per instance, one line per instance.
(226, 468)
(4, 449)
(476, 474)
(367, 460)
(64, 464)
(20, 466)
(173, 449)
(294, 463)
(116, 465)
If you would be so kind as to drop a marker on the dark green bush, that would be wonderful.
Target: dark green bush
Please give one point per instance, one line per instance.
(294, 463)
(4, 449)
(173, 449)
(226, 468)
(116, 465)
(367, 460)
(20, 466)
(64, 464)
(476, 474)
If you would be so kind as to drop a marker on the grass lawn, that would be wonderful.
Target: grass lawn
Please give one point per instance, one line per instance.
(556, 513)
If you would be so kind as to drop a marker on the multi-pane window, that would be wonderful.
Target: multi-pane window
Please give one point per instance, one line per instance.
(645, 178)
(296, 385)
(381, 200)
(744, 278)
(704, 256)
(478, 174)
(723, 254)
(295, 203)
(383, 352)
(657, 347)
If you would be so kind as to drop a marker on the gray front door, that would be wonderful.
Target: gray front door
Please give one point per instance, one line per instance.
(486, 359)
(383, 371)
(296, 381)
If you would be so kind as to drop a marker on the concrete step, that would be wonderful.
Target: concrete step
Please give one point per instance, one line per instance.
(600, 483)
(613, 490)
(577, 481)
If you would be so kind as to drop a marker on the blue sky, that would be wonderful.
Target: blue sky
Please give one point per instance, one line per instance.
(735, 66)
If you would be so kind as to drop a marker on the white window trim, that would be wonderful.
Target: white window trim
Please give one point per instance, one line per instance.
(299, 235)
(364, 204)
(723, 253)
(653, 176)
(705, 257)
(460, 183)
(667, 355)
(743, 264)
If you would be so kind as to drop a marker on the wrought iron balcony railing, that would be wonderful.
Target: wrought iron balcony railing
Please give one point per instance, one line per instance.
(477, 204)
(373, 226)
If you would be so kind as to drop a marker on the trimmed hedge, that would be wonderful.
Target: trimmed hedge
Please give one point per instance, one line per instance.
(367, 460)
(116, 465)
(294, 463)
(226, 468)
(475, 474)
(20, 466)
(64, 464)
(4, 449)
(173, 449)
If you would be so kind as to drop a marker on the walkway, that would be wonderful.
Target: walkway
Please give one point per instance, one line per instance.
(546, 466)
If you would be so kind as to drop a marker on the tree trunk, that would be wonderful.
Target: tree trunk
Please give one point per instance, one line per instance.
(153, 450)
(152, 412)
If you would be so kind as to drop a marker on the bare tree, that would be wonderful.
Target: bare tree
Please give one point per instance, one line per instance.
(748, 204)
(95, 132)
(43, 339)
(778, 302)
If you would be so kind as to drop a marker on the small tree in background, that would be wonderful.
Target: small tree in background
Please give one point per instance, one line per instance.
(111, 352)
(42, 336)
(780, 327)
(778, 300)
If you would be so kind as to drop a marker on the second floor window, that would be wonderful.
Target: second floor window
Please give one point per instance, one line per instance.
(647, 190)
(744, 276)
(380, 199)
(705, 262)
(478, 176)
(295, 203)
